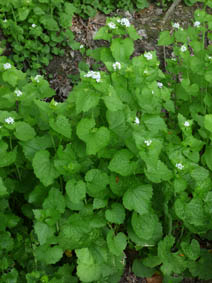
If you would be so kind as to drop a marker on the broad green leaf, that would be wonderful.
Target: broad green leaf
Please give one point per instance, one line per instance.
(180, 185)
(191, 250)
(97, 140)
(23, 13)
(112, 101)
(76, 190)
(3, 189)
(44, 168)
(208, 122)
(122, 164)
(55, 201)
(84, 128)
(194, 213)
(48, 255)
(122, 49)
(44, 232)
(138, 199)
(146, 226)
(88, 269)
(61, 125)
(208, 156)
(99, 203)
(116, 243)
(116, 214)
(158, 173)
(140, 270)
(24, 132)
(165, 38)
(199, 174)
(208, 77)
(154, 123)
(86, 98)
(97, 182)
(6, 157)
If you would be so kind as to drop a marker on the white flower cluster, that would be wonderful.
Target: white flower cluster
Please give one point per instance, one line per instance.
(37, 78)
(9, 120)
(18, 92)
(94, 75)
(186, 124)
(137, 121)
(179, 166)
(111, 25)
(176, 25)
(81, 46)
(5, 20)
(148, 142)
(7, 66)
(196, 24)
(148, 55)
(124, 22)
(33, 25)
(183, 48)
(160, 85)
(116, 66)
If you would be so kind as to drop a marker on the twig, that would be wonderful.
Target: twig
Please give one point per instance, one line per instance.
(170, 11)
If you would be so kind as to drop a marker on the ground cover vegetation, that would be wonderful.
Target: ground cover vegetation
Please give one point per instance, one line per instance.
(124, 162)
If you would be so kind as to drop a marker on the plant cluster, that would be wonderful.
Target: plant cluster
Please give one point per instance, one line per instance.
(124, 162)
(36, 30)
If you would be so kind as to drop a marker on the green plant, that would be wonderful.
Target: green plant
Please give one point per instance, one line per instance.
(124, 161)
(36, 30)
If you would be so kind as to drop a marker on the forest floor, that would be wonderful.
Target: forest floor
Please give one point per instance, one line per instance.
(64, 71)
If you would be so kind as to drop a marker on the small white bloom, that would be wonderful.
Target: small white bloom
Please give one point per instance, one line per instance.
(93, 75)
(173, 59)
(137, 121)
(81, 46)
(186, 124)
(209, 57)
(111, 25)
(153, 92)
(145, 71)
(18, 92)
(9, 120)
(148, 55)
(176, 25)
(183, 48)
(160, 85)
(196, 24)
(7, 66)
(37, 78)
(116, 66)
(5, 20)
(0, 127)
(148, 142)
(179, 166)
(124, 22)
(55, 103)
(33, 25)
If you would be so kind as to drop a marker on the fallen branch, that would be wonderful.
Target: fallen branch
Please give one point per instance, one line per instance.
(170, 11)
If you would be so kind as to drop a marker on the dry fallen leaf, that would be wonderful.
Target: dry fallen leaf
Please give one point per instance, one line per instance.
(156, 278)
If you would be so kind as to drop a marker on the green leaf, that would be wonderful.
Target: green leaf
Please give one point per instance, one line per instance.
(61, 125)
(208, 122)
(122, 49)
(3, 189)
(208, 156)
(97, 182)
(116, 214)
(138, 199)
(140, 270)
(208, 77)
(165, 38)
(44, 168)
(146, 226)
(55, 201)
(122, 164)
(48, 255)
(116, 243)
(112, 101)
(6, 158)
(76, 190)
(23, 13)
(84, 128)
(154, 123)
(86, 98)
(88, 269)
(191, 250)
(44, 232)
(23, 131)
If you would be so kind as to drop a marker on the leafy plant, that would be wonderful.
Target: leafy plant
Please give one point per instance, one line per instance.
(36, 30)
(124, 161)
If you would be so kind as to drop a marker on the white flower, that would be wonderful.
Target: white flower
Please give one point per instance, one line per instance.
(111, 25)
(37, 78)
(176, 25)
(55, 103)
(160, 85)
(33, 25)
(196, 24)
(209, 57)
(153, 92)
(186, 124)
(148, 55)
(124, 22)
(5, 20)
(179, 166)
(173, 59)
(9, 120)
(93, 75)
(183, 48)
(81, 46)
(145, 71)
(117, 65)
(148, 142)
(137, 121)
(18, 92)
(7, 66)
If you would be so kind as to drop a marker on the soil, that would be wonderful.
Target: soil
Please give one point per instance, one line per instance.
(148, 22)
